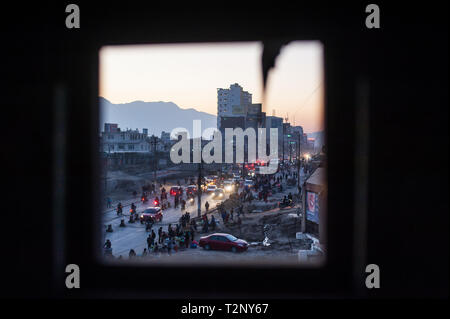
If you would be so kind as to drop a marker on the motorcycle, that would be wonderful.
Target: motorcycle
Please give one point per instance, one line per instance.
(144, 199)
(289, 203)
(191, 201)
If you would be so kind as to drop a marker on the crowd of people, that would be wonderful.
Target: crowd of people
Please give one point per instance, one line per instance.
(181, 235)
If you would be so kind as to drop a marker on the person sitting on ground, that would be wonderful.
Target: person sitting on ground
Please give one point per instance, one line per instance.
(107, 244)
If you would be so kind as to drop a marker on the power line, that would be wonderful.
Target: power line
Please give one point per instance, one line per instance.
(309, 96)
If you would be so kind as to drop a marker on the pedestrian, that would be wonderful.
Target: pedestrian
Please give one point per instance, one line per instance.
(186, 239)
(144, 253)
(231, 213)
(169, 245)
(131, 254)
(149, 241)
(213, 222)
(207, 205)
(107, 244)
(160, 235)
(108, 202)
(205, 224)
(223, 215)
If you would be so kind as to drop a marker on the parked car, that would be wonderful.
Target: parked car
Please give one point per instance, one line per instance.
(219, 194)
(176, 190)
(222, 241)
(211, 188)
(151, 213)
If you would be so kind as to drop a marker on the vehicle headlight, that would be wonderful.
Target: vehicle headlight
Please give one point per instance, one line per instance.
(142, 216)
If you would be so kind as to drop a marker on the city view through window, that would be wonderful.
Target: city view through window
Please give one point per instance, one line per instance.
(201, 164)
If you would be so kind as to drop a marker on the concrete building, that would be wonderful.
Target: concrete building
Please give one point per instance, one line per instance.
(232, 102)
(165, 137)
(113, 140)
(255, 117)
(275, 122)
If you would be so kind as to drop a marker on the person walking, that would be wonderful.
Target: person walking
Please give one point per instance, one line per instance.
(213, 222)
(153, 235)
(150, 241)
(160, 235)
(207, 205)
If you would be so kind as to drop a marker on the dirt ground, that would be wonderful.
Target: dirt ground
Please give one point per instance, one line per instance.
(280, 226)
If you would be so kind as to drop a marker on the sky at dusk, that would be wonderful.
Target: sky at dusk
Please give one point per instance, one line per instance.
(189, 75)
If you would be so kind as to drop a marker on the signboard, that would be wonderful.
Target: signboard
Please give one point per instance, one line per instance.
(312, 207)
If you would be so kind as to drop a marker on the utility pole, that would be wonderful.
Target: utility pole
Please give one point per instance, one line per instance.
(153, 143)
(199, 190)
(299, 163)
(282, 160)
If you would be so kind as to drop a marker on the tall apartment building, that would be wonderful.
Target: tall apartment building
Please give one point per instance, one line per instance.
(232, 102)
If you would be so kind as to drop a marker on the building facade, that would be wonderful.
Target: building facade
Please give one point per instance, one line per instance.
(114, 140)
(232, 102)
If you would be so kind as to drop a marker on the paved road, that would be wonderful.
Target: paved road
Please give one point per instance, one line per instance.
(134, 235)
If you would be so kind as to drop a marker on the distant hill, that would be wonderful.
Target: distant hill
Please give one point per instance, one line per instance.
(155, 116)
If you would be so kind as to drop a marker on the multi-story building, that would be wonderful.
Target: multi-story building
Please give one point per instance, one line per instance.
(114, 140)
(275, 122)
(232, 102)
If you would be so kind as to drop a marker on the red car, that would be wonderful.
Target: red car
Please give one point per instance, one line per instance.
(152, 213)
(176, 190)
(221, 241)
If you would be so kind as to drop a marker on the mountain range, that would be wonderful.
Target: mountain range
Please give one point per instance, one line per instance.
(155, 116)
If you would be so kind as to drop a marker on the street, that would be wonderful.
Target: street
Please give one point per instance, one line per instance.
(134, 236)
